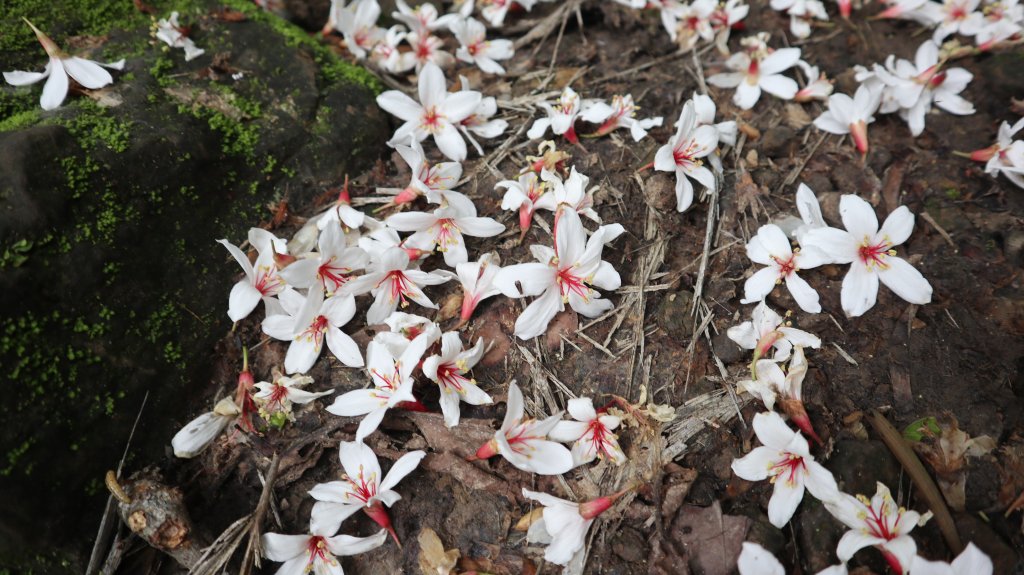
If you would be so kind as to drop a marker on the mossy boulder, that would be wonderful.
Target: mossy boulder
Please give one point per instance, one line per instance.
(109, 207)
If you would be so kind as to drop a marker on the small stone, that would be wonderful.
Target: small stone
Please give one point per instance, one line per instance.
(630, 545)
(727, 350)
(780, 141)
(674, 315)
(660, 191)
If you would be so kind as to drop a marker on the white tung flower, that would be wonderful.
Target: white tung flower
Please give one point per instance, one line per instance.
(682, 155)
(768, 330)
(871, 255)
(316, 553)
(784, 458)
(846, 115)
(309, 322)
(436, 114)
(197, 434)
(361, 487)
(563, 526)
(391, 282)
(448, 370)
(758, 68)
(262, 280)
(524, 443)
(590, 433)
(563, 275)
(90, 75)
(475, 48)
(877, 522)
(770, 247)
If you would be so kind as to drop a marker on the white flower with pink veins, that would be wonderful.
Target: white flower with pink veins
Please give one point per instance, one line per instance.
(683, 155)
(871, 253)
(392, 283)
(846, 115)
(475, 48)
(524, 443)
(448, 370)
(878, 522)
(316, 553)
(564, 275)
(436, 114)
(758, 68)
(768, 330)
(784, 458)
(771, 247)
(309, 322)
(563, 526)
(590, 433)
(262, 281)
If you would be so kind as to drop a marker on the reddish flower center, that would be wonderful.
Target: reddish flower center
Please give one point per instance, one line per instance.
(398, 285)
(432, 120)
(568, 283)
(448, 234)
(449, 376)
(278, 396)
(316, 330)
(317, 549)
(267, 282)
(788, 468)
(786, 266)
(599, 435)
(336, 275)
(875, 254)
(878, 522)
(363, 488)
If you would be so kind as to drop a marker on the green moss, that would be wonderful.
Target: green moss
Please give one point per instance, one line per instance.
(16, 254)
(20, 120)
(61, 20)
(94, 126)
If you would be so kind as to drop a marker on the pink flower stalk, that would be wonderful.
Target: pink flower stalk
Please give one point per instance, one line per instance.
(847, 115)
(477, 279)
(564, 524)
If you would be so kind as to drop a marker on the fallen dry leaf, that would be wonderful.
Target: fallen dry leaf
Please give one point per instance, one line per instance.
(947, 454)
(434, 560)
(712, 541)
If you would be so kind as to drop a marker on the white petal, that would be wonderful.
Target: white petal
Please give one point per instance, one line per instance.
(785, 498)
(327, 517)
(898, 226)
(342, 545)
(772, 430)
(905, 281)
(839, 245)
(243, 299)
(568, 431)
(198, 433)
(535, 318)
(972, 561)
(779, 86)
(756, 560)
(404, 466)
(903, 548)
(755, 465)
(853, 541)
(746, 95)
(302, 354)
(860, 289)
(806, 297)
(400, 105)
(344, 347)
(20, 78)
(277, 547)
(450, 142)
(56, 87)
(858, 217)
(759, 285)
(87, 73)
(356, 402)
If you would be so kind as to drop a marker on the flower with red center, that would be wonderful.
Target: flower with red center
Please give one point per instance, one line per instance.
(444, 227)
(682, 155)
(1005, 156)
(279, 395)
(329, 268)
(877, 522)
(563, 275)
(562, 116)
(435, 115)
(590, 433)
(758, 68)
(426, 49)
(571, 193)
(424, 18)
(392, 384)
(309, 322)
(476, 49)
(524, 443)
(393, 284)
(622, 114)
(316, 553)
(425, 178)
(869, 251)
(262, 281)
(361, 487)
(770, 247)
(449, 371)
(768, 330)
(953, 14)
(522, 195)
(784, 459)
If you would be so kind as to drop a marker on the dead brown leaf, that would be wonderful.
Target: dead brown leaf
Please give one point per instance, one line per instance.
(796, 117)
(712, 541)
(434, 560)
(947, 454)
(748, 195)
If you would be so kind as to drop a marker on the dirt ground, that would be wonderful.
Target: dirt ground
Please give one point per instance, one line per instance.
(962, 354)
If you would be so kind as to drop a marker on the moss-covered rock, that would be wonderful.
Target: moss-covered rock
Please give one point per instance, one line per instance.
(113, 284)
